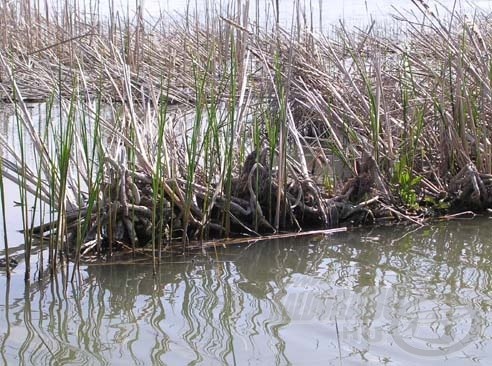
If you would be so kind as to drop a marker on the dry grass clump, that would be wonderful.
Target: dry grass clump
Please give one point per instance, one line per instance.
(170, 130)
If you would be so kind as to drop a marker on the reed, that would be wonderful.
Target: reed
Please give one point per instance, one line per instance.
(23, 190)
(4, 221)
(171, 130)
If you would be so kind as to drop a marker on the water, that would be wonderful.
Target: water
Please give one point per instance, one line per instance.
(397, 295)
(324, 12)
(320, 15)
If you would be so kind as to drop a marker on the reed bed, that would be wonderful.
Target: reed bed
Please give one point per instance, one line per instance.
(165, 131)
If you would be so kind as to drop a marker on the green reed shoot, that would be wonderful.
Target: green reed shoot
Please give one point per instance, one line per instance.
(23, 190)
(4, 218)
(193, 144)
(161, 168)
(230, 130)
(63, 140)
(92, 157)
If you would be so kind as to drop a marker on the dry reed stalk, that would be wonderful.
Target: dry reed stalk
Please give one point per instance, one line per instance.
(399, 114)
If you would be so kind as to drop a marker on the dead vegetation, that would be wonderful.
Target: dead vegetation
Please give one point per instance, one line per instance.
(191, 129)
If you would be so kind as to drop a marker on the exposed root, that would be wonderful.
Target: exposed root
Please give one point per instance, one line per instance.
(470, 190)
(130, 213)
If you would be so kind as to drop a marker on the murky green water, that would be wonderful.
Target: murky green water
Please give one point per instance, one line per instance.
(397, 295)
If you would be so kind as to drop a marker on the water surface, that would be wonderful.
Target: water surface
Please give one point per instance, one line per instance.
(397, 295)
(319, 15)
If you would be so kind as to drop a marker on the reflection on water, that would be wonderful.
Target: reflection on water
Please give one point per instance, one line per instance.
(395, 295)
